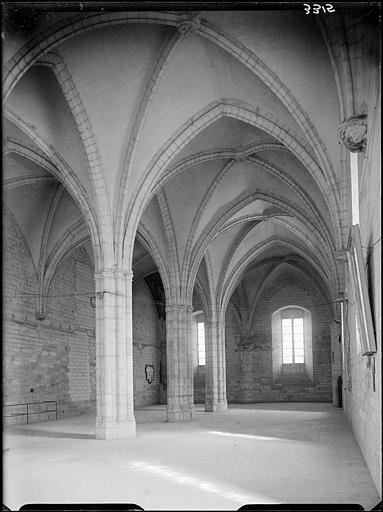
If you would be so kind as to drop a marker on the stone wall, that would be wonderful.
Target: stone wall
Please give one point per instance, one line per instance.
(234, 357)
(53, 358)
(249, 363)
(147, 343)
(362, 378)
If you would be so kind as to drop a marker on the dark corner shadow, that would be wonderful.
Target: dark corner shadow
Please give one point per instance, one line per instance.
(43, 433)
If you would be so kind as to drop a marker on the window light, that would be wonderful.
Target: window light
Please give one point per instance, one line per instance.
(201, 343)
(292, 341)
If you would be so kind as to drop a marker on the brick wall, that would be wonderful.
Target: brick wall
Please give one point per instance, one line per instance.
(147, 345)
(249, 368)
(234, 357)
(163, 363)
(336, 360)
(362, 378)
(54, 357)
(197, 301)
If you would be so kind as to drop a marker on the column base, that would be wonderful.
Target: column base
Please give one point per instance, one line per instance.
(114, 430)
(215, 407)
(178, 416)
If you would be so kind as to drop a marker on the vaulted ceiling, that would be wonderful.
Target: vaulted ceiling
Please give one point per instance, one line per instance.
(203, 145)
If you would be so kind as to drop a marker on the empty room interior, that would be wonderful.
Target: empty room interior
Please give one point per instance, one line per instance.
(191, 254)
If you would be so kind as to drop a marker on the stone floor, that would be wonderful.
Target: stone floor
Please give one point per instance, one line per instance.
(252, 453)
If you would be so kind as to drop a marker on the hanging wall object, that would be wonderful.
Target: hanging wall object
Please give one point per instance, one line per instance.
(360, 291)
(149, 373)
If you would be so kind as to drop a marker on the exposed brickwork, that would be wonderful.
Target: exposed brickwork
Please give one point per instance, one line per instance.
(197, 301)
(147, 337)
(249, 371)
(54, 357)
(362, 376)
(336, 364)
(199, 385)
(163, 368)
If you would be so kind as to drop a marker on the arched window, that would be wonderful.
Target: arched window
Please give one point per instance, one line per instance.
(292, 347)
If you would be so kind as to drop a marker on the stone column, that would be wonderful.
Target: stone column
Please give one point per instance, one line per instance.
(215, 367)
(190, 366)
(180, 400)
(128, 343)
(222, 401)
(114, 363)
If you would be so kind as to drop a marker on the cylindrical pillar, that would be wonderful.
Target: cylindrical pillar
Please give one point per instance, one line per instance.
(105, 352)
(179, 363)
(129, 351)
(215, 380)
(211, 367)
(222, 401)
(114, 368)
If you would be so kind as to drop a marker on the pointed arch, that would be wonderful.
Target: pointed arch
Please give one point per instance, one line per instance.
(221, 108)
(232, 280)
(168, 225)
(74, 237)
(322, 293)
(20, 233)
(43, 250)
(49, 160)
(66, 28)
(202, 293)
(221, 217)
(216, 154)
(145, 237)
(139, 121)
(231, 251)
(56, 63)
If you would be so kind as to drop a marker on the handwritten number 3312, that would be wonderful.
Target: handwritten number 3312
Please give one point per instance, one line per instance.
(316, 8)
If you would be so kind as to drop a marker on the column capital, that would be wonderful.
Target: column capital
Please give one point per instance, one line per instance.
(113, 273)
(104, 273)
(216, 323)
(128, 274)
(353, 133)
(179, 307)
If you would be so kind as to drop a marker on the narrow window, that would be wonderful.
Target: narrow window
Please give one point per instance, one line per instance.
(354, 188)
(201, 343)
(292, 341)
